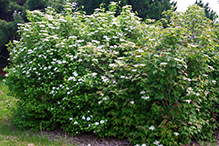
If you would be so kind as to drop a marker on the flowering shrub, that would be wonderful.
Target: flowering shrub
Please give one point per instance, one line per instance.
(116, 76)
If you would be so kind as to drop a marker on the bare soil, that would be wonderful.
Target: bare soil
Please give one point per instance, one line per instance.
(85, 139)
(89, 139)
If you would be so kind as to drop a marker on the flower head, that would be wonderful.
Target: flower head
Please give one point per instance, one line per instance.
(188, 101)
(176, 133)
(94, 74)
(142, 92)
(132, 102)
(145, 97)
(88, 118)
(156, 142)
(151, 127)
(163, 64)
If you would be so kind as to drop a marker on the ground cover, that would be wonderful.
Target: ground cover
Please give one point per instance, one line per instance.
(10, 136)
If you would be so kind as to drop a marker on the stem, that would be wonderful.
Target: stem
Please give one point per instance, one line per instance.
(41, 131)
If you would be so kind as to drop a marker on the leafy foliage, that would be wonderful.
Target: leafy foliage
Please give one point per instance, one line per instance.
(117, 76)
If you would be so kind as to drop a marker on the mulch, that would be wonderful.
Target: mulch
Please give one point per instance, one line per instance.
(2, 72)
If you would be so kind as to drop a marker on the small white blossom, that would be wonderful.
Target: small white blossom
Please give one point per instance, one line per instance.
(94, 74)
(142, 92)
(83, 118)
(214, 81)
(72, 37)
(105, 98)
(102, 121)
(96, 123)
(190, 89)
(151, 127)
(197, 94)
(188, 101)
(75, 73)
(132, 102)
(75, 122)
(176, 133)
(80, 41)
(107, 39)
(72, 78)
(94, 60)
(178, 60)
(112, 65)
(105, 79)
(163, 64)
(156, 142)
(145, 97)
(137, 56)
(88, 118)
(70, 118)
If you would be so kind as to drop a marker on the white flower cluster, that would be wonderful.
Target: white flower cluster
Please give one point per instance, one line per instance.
(145, 97)
(141, 145)
(104, 79)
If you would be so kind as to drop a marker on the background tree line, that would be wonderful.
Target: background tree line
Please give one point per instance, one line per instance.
(14, 11)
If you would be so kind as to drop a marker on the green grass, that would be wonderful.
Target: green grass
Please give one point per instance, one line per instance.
(10, 136)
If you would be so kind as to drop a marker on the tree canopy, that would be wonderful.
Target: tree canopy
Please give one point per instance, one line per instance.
(210, 14)
(151, 9)
(13, 12)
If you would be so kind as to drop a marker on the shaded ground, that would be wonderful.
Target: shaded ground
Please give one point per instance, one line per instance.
(86, 139)
(89, 139)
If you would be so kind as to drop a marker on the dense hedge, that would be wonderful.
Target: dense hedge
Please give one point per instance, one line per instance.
(117, 76)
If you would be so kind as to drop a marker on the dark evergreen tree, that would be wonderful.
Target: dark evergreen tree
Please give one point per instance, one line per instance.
(145, 8)
(210, 14)
(35, 5)
(10, 14)
(151, 9)
(89, 6)
(13, 12)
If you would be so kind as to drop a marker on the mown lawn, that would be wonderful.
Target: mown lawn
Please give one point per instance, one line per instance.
(9, 136)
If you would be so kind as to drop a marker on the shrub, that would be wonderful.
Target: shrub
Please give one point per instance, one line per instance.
(117, 76)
